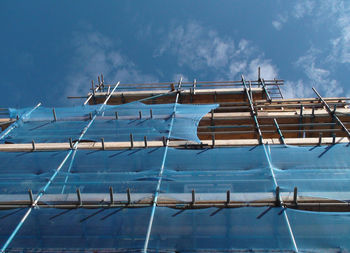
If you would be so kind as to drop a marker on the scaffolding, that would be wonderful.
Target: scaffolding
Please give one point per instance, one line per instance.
(227, 165)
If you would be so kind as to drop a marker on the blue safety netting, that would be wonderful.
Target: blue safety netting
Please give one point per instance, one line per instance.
(83, 230)
(241, 170)
(62, 113)
(152, 121)
(244, 171)
(96, 171)
(8, 222)
(211, 230)
(320, 232)
(173, 230)
(219, 170)
(322, 171)
(214, 229)
(21, 171)
(45, 131)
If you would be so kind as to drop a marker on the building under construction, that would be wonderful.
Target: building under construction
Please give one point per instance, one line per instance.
(225, 166)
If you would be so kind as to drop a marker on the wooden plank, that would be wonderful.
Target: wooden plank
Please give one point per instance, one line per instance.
(27, 147)
(274, 114)
(180, 200)
(5, 120)
(237, 197)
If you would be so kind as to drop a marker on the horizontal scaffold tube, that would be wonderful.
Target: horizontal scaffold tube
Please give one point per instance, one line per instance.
(28, 147)
(174, 200)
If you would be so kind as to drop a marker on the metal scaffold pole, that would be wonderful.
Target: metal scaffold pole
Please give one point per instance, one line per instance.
(160, 176)
(261, 140)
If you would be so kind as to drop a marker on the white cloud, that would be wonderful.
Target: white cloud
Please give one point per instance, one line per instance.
(318, 77)
(303, 8)
(334, 15)
(197, 47)
(236, 68)
(268, 70)
(243, 46)
(296, 89)
(323, 57)
(178, 76)
(204, 50)
(96, 54)
(341, 44)
(279, 22)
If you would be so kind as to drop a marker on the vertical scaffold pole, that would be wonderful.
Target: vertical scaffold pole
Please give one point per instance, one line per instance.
(270, 165)
(266, 92)
(194, 86)
(160, 175)
(252, 112)
(93, 91)
(280, 200)
(279, 131)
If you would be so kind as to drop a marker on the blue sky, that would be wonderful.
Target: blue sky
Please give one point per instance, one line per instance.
(50, 50)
